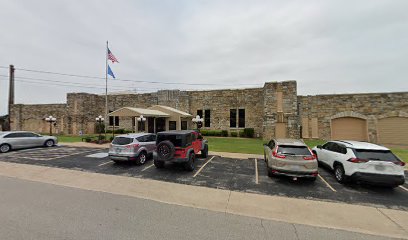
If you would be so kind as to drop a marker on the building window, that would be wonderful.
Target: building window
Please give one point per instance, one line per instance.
(207, 118)
(172, 125)
(200, 113)
(233, 118)
(241, 119)
(183, 125)
(111, 120)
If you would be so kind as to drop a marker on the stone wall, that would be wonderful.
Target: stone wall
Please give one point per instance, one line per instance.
(31, 117)
(370, 106)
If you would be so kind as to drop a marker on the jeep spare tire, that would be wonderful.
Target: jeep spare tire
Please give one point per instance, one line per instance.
(165, 150)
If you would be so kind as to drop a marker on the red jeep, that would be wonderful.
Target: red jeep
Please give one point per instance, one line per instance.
(179, 147)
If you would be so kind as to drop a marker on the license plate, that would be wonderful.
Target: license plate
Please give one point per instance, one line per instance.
(379, 167)
(118, 150)
(295, 168)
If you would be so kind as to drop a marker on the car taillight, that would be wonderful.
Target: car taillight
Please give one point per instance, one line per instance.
(399, 163)
(309, 157)
(277, 155)
(357, 160)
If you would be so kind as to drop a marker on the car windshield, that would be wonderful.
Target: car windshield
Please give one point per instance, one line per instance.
(377, 155)
(294, 150)
(122, 140)
(177, 140)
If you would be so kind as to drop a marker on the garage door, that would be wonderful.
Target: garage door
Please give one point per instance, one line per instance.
(349, 128)
(393, 130)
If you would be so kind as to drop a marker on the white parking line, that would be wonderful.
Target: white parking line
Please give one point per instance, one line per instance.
(104, 163)
(328, 185)
(256, 171)
(201, 168)
(406, 189)
(151, 165)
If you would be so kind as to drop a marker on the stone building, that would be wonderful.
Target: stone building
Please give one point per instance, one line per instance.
(274, 110)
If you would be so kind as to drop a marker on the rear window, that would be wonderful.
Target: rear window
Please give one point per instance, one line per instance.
(122, 140)
(377, 155)
(294, 150)
(177, 140)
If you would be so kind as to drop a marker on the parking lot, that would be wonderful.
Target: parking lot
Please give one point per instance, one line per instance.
(247, 175)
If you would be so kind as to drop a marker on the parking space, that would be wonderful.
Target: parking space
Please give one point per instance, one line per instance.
(248, 175)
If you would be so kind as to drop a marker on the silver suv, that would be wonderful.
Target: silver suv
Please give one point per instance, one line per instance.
(22, 139)
(290, 157)
(132, 147)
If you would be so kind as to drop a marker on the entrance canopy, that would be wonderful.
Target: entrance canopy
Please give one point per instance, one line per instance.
(132, 112)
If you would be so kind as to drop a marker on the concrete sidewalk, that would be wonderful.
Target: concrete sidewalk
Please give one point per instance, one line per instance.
(370, 220)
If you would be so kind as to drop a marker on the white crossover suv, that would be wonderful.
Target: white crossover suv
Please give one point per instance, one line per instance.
(362, 162)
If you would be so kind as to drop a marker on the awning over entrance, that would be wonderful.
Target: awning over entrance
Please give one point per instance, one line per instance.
(132, 112)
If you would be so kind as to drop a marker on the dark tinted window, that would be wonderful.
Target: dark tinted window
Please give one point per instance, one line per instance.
(376, 155)
(189, 139)
(183, 125)
(122, 140)
(207, 118)
(177, 140)
(113, 119)
(233, 118)
(29, 134)
(142, 139)
(241, 119)
(271, 144)
(200, 113)
(172, 125)
(14, 135)
(151, 138)
(329, 146)
(193, 137)
(294, 150)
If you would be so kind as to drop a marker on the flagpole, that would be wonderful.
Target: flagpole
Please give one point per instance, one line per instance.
(106, 88)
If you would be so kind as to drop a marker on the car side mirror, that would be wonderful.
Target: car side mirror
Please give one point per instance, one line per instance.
(319, 146)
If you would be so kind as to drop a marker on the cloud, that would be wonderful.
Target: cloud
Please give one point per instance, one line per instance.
(327, 46)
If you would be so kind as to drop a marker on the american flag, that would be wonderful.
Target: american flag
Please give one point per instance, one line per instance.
(112, 57)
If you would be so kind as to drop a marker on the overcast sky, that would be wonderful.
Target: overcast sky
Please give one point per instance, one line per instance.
(327, 46)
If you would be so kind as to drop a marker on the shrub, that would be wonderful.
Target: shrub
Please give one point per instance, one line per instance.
(102, 137)
(99, 128)
(88, 139)
(234, 134)
(120, 131)
(111, 138)
(241, 133)
(249, 132)
(224, 133)
(217, 133)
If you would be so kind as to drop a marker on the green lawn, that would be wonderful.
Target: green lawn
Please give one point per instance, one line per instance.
(240, 145)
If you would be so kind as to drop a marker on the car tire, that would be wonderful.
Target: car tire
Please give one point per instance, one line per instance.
(189, 165)
(165, 150)
(204, 152)
(49, 143)
(158, 164)
(141, 159)
(339, 173)
(270, 173)
(5, 148)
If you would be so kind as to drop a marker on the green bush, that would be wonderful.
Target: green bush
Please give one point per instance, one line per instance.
(88, 139)
(249, 132)
(234, 134)
(102, 137)
(111, 138)
(99, 128)
(224, 133)
(216, 133)
(241, 133)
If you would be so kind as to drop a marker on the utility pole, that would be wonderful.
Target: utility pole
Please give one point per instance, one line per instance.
(11, 94)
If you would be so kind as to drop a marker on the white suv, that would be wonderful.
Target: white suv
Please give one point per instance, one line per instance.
(361, 161)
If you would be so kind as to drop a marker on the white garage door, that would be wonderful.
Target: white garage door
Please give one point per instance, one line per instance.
(393, 130)
(349, 128)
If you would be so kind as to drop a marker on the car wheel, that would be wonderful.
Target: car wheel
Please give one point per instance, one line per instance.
(5, 148)
(49, 143)
(189, 166)
(204, 152)
(158, 164)
(270, 173)
(141, 159)
(339, 173)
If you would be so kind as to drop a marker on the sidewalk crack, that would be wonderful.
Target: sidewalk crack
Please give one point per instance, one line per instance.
(264, 230)
(296, 232)
(396, 223)
(226, 207)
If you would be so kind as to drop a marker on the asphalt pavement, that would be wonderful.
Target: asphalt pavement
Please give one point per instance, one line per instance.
(33, 210)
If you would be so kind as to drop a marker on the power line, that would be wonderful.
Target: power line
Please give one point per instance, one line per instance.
(129, 80)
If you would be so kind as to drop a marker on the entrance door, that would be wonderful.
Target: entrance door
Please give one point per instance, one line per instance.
(160, 124)
(150, 125)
